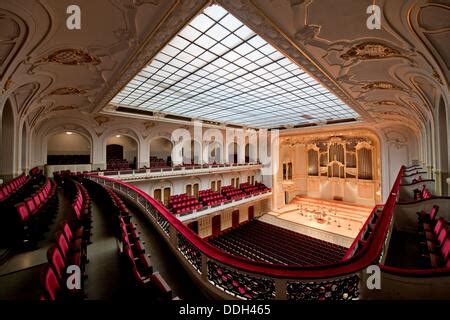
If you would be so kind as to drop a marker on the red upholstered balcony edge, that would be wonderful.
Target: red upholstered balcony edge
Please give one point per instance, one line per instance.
(361, 260)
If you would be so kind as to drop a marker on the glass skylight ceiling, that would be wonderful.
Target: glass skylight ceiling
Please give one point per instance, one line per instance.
(218, 69)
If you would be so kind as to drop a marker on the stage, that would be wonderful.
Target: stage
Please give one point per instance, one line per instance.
(333, 221)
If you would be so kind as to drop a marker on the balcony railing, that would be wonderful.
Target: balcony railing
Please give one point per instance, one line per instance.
(226, 276)
(149, 173)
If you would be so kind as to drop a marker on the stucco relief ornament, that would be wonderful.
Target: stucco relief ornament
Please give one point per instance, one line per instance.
(370, 50)
(71, 57)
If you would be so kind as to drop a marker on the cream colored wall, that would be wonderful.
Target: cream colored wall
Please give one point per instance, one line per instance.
(72, 144)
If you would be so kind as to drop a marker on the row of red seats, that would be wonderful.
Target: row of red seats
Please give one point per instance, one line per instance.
(70, 249)
(233, 193)
(183, 204)
(182, 199)
(133, 250)
(9, 188)
(435, 244)
(417, 180)
(422, 193)
(188, 208)
(32, 216)
(213, 199)
(35, 172)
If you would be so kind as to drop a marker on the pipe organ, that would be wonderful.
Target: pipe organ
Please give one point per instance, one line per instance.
(340, 157)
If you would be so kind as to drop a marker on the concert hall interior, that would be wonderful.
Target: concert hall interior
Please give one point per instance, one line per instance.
(224, 150)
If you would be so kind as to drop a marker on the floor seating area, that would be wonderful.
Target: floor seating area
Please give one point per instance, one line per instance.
(70, 248)
(132, 249)
(434, 239)
(27, 211)
(261, 241)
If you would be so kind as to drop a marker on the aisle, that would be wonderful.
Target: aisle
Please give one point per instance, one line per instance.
(104, 281)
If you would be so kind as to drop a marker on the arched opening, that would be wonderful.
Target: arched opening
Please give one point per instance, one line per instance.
(68, 148)
(121, 153)
(214, 153)
(443, 146)
(247, 153)
(233, 153)
(160, 153)
(7, 139)
(23, 160)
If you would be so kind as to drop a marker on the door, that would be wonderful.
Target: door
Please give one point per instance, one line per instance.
(189, 190)
(251, 212)
(219, 185)
(215, 225)
(193, 226)
(166, 196)
(196, 189)
(213, 185)
(157, 195)
(235, 218)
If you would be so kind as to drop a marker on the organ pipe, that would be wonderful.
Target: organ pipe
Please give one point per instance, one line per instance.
(364, 164)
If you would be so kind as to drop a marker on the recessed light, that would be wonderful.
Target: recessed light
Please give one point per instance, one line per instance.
(69, 132)
(118, 135)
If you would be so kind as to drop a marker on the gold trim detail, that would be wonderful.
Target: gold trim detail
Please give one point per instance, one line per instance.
(370, 50)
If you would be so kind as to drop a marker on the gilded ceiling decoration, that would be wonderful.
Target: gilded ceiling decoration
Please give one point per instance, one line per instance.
(385, 103)
(370, 50)
(67, 91)
(382, 85)
(101, 120)
(63, 108)
(71, 57)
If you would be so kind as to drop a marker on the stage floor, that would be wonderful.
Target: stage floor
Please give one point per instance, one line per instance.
(334, 221)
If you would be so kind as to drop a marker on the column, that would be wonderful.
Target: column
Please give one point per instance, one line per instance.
(144, 154)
